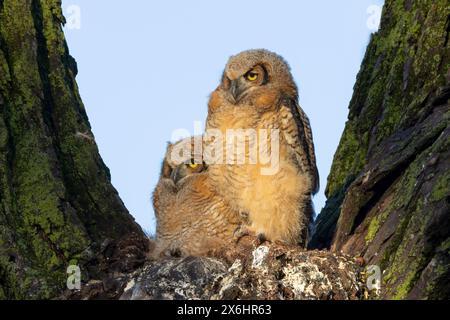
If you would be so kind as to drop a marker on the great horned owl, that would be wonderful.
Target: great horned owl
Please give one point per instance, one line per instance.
(257, 91)
(191, 218)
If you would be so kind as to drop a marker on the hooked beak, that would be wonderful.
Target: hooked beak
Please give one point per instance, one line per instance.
(236, 90)
(177, 174)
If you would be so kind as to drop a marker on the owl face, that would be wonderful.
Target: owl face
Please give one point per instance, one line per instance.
(246, 84)
(186, 169)
(181, 160)
(254, 77)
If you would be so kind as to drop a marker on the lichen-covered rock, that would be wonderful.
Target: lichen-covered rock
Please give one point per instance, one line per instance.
(268, 271)
(175, 279)
(389, 187)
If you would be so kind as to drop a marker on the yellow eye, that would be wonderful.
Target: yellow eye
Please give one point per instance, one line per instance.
(193, 165)
(252, 76)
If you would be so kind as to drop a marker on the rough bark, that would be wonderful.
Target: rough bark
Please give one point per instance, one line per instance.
(389, 187)
(57, 205)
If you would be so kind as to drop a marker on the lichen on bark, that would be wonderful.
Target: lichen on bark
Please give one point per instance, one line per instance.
(395, 153)
(57, 204)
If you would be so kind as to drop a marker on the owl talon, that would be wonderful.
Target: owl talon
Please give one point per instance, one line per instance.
(260, 239)
(171, 253)
(240, 233)
(176, 253)
(256, 239)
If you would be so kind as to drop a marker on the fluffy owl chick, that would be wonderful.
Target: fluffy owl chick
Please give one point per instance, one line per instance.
(191, 218)
(257, 92)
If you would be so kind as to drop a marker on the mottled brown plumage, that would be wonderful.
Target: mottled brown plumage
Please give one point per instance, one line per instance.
(257, 91)
(191, 218)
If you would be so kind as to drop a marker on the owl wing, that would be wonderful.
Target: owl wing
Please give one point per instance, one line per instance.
(298, 134)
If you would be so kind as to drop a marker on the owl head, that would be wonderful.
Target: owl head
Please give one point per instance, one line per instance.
(182, 160)
(256, 77)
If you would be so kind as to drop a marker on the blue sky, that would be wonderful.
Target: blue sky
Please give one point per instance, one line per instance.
(146, 68)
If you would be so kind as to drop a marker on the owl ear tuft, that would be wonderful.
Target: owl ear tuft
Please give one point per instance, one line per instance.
(166, 170)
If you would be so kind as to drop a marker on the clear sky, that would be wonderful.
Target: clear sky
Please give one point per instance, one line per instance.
(146, 68)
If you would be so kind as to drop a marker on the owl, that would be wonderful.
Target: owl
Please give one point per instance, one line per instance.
(257, 93)
(191, 219)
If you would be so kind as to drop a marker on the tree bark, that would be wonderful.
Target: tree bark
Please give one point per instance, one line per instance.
(389, 187)
(57, 204)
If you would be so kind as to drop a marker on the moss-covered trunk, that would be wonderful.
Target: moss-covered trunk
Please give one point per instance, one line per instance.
(57, 205)
(389, 187)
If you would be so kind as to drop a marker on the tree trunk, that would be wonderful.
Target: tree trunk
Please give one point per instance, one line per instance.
(389, 187)
(57, 204)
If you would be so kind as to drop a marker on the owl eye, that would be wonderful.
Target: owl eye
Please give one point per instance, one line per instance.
(251, 76)
(192, 164)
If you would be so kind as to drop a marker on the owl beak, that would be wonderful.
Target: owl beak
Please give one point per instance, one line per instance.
(235, 90)
(177, 174)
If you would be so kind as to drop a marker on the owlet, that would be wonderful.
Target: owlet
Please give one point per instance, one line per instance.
(191, 218)
(257, 94)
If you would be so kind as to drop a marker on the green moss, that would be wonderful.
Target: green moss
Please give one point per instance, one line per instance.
(405, 65)
(393, 105)
(372, 230)
(4, 71)
(52, 18)
(445, 246)
(441, 189)
(405, 286)
(44, 236)
(404, 255)
(55, 191)
(348, 160)
(9, 282)
(380, 93)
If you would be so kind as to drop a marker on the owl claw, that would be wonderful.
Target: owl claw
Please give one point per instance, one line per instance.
(240, 233)
(171, 253)
(260, 239)
(257, 238)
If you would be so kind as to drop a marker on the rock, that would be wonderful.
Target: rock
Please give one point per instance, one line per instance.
(268, 271)
(176, 279)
